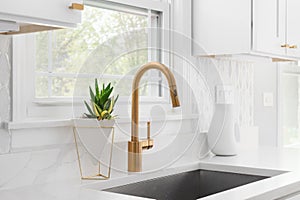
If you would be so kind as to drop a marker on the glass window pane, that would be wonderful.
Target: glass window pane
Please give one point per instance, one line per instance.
(107, 42)
(41, 84)
(71, 48)
(127, 64)
(123, 87)
(291, 109)
(62, 86)
(82, 84)
(42, 52)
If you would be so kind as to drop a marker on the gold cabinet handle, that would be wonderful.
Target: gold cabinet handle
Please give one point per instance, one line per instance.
(293, 47)
(285, 45)
(76, 6)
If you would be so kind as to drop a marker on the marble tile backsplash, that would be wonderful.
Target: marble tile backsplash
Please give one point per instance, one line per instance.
(37, 164)
(240, 75)
(237, 73)
(5, 90)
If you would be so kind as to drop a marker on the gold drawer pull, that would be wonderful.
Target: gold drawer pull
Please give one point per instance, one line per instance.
(293, 47)
(76, 6)
(285, 45)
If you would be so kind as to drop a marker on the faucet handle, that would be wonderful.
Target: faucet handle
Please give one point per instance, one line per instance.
(148, 143)
(148, 130)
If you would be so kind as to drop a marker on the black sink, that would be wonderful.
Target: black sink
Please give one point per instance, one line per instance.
(186, 186)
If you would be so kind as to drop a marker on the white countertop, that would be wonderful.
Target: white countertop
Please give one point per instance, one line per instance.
(282, 164)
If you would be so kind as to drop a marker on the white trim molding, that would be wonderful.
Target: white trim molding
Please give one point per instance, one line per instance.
(23, 75)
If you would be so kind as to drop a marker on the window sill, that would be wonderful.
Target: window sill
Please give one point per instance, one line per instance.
(37, 124)
(68, 122)
(79, 101)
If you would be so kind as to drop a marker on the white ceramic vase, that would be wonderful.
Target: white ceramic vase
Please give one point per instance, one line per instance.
(221, 135)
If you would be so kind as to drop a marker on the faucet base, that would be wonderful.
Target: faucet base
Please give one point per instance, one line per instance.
(135, 156)
(135, 149)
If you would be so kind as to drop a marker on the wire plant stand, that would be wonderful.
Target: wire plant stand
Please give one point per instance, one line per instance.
(98, 175)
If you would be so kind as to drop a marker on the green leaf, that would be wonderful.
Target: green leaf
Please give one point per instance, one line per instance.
(107, 104)
(96, 87)
(111, 105)
(89, 108)
(90, 116)
(98, 109)
(108, 87)
(92, 94)
(105, 114)
(105, 95)
(116, 99)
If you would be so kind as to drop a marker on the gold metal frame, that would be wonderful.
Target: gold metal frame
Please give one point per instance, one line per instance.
(99, 175)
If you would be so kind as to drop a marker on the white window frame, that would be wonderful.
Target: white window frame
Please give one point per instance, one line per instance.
(27, 107)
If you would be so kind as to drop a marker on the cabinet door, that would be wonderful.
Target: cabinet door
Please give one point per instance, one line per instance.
(293, 28)
(221, 27)
(269, 26)
(48, 12)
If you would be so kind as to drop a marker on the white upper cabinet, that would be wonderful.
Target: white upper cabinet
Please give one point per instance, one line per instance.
(55, 13)
(221, 26)
(293, 28)
(260, 27)
(269, 26)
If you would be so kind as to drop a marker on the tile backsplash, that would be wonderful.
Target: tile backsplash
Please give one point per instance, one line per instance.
(239, 74)
(39, 163)
(5, 90)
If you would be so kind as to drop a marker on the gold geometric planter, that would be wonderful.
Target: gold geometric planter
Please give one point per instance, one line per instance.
(88, 127)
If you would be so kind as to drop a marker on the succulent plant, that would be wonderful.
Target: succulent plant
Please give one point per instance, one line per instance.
(102, 105)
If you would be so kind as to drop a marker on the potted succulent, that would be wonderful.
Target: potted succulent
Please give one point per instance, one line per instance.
(95, 129)
(102, 105)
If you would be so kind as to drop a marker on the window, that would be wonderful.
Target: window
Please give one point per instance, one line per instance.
(290, 106)
(50, 68)
(290, 84)
(109, 44)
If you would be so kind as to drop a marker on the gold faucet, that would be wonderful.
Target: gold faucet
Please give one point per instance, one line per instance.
(135, 147)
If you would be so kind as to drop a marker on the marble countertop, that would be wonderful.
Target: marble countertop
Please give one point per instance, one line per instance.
(282, 164)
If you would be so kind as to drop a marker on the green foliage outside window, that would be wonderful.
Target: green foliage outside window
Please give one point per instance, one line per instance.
(92, 48)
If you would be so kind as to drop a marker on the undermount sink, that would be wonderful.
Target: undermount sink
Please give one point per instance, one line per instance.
(188, 185)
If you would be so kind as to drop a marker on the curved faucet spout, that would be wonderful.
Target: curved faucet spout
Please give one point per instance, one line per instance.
(135, 93)
(135, 146)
